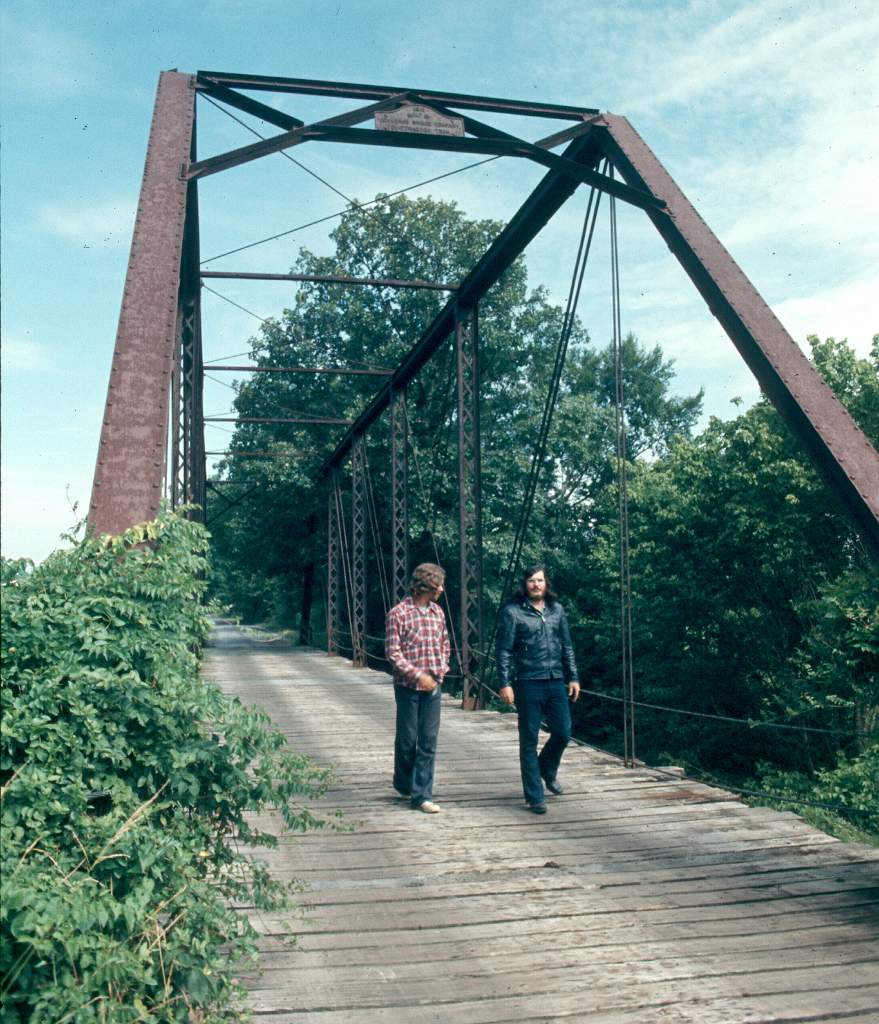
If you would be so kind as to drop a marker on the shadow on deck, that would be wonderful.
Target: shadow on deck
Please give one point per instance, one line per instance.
(637, 898)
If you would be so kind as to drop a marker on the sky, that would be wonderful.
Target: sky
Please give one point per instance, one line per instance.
(765, 113)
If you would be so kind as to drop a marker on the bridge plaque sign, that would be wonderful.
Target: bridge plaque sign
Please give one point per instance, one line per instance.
(415, 117)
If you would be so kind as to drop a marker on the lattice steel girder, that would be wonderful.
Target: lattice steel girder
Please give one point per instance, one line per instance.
(358, 554)
(399, 497)
(837, 446)
(333, 568)
(176, 473)
(130, 467)
(194, 488)
(469, 504)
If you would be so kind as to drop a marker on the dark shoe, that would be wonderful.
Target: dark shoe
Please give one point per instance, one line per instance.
(554, 787)
(537, 808)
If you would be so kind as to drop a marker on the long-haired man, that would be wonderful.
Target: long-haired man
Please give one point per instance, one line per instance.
(537, 670)
(417, 646)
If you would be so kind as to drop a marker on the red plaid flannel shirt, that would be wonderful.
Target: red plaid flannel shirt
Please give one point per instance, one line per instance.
(416, 641)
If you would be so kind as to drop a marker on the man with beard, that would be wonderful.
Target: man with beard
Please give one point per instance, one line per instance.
(536, 670)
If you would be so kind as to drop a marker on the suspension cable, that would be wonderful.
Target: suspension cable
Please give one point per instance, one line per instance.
(583, 249)
(585, 244)
(625, 582)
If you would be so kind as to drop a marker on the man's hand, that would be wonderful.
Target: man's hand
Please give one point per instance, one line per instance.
(573, 692)
(506, 694)
(426, 683)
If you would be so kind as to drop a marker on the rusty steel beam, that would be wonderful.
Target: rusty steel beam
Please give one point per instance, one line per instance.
(379, 282)
(350, 90)
(189, 352)
(252, 454)
(303, 369)
(497, 144)
(333, 558)
(537, 152)
(358, 554)
(130, 468)
(278, 419)
(244, 154)
(247, 104)
(469, 506)
(399, 497)
(837, 446)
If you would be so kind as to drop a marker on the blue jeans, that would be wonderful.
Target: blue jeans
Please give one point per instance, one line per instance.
(538, 699)
(418, 720)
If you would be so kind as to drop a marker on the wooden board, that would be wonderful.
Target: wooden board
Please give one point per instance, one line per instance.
(639, 897)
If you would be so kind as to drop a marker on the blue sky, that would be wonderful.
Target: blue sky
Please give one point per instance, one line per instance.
(764, 112)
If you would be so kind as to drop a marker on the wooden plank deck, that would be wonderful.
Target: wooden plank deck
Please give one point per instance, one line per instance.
(636, 899)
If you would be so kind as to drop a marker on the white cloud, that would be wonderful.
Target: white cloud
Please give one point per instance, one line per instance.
(46, 62)
(104, 224)
(850, 310)
(755, 55)
(24, 354)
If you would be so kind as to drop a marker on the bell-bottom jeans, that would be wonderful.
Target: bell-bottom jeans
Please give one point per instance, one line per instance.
(536, 700)
(418, 721)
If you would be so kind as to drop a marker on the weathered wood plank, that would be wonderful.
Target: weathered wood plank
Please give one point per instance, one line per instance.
(638, 898)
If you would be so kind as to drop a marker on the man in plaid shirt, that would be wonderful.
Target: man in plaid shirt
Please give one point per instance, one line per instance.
(417, 646)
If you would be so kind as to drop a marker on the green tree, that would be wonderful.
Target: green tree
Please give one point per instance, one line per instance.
(754, 599)
(332, 324)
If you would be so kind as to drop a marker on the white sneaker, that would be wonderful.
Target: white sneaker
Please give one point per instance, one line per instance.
(428, 807)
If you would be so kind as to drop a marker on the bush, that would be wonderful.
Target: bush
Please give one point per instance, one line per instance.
(125, 784)
(843, 800)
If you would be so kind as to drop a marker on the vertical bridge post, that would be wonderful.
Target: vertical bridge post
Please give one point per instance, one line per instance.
(469, 504)
(130, 469)
(399, 497)
(333, 566)
(358, 552)
(188, 471)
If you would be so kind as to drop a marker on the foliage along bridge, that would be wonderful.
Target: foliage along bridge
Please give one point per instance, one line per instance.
(152, 443)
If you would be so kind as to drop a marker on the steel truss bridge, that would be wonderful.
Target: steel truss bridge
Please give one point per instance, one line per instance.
(152, 439)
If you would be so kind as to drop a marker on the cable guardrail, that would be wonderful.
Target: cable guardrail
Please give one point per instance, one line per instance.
(752, 723)
(696, 774)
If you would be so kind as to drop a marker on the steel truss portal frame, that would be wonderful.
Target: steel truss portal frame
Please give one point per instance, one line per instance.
(157, 356)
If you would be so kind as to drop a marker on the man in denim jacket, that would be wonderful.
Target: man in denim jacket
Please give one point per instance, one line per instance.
(534, 644)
